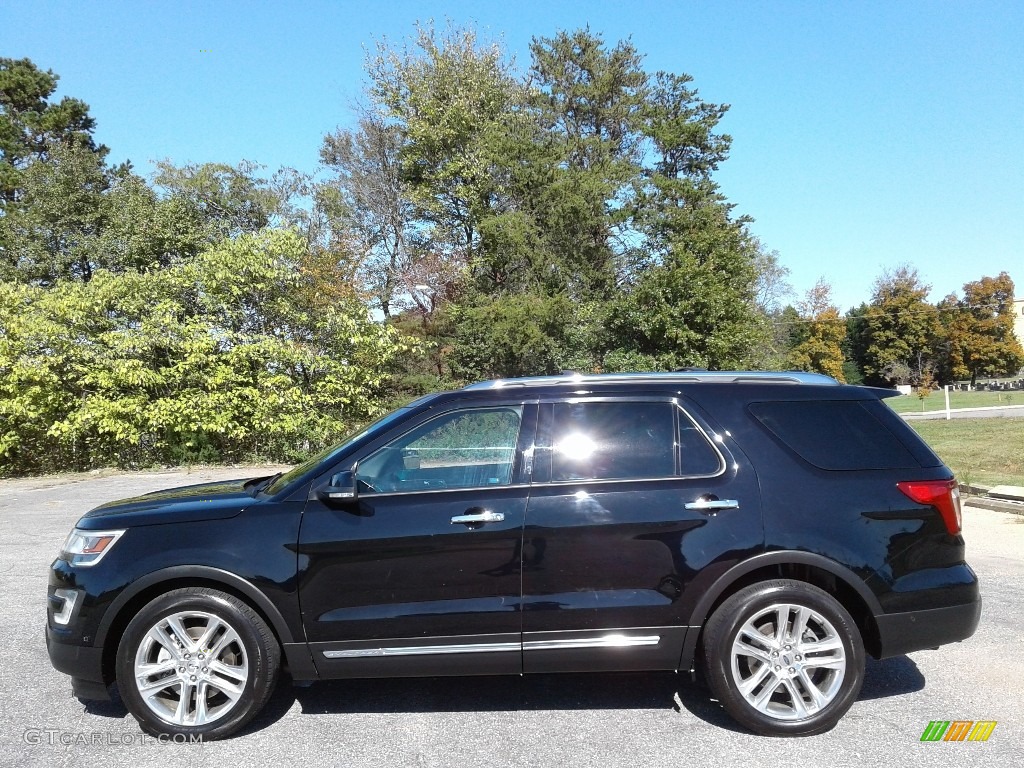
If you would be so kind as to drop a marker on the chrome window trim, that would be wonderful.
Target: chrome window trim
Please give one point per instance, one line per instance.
(467, 489)
(716, 446)
(723, 463)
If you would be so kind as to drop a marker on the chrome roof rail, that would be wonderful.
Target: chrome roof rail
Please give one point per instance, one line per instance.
(568, 378)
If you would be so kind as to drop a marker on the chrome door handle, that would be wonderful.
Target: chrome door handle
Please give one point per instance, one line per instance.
(479, 517)
(712, 504)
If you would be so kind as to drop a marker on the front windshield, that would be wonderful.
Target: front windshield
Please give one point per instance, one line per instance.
(325, 454)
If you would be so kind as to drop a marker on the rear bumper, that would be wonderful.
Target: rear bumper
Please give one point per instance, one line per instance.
(901, 633)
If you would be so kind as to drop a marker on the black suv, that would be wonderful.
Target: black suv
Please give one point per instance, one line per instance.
(765, 529)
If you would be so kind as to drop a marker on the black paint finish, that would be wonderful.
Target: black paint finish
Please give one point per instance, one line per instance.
(576, 575)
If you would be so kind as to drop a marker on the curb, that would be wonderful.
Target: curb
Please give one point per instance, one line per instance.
(996, 505)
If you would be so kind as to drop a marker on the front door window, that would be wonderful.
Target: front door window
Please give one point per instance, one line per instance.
(467, 449)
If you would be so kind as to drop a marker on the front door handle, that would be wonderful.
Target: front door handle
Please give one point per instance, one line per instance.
(475, 518)
(712, 504)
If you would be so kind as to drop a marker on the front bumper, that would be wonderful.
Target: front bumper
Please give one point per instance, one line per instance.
(83, 663)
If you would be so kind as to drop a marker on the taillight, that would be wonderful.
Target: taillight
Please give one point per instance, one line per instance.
(944, 495)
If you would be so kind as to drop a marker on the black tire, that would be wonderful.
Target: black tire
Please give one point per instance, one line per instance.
(807, 661)
(234, 677)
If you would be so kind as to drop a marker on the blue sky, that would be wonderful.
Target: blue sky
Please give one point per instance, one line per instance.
(865, 134)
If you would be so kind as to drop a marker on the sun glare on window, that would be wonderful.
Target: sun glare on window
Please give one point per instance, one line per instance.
(576, 447)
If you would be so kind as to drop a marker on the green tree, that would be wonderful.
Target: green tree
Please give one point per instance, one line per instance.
(229, 200)
(75, 216)
(50, 232)
(979, 334)
(855, 344)
(219, 358)
(371, 210)
(472, 193)
(65, 214)
(899, 328)
(694, 302)
(32, 126)
(449, 95)
(693, 309)
(590, 99)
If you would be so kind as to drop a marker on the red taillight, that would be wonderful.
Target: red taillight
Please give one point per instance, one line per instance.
(944, 495)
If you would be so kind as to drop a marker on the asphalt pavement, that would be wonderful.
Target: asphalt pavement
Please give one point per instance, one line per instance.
(549, 720)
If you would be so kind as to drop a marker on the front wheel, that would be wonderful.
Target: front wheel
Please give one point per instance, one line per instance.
(784, 658)
(196, 662)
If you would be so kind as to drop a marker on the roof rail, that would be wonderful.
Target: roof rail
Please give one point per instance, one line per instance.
(567, 377)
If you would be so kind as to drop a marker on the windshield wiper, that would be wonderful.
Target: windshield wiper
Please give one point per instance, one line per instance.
(268, 482)
(257, 485)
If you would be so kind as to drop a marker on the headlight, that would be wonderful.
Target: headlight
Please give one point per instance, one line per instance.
(85, 548)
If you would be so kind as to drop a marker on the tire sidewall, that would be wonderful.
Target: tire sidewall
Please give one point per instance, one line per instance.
(736, 611)
(227, 609)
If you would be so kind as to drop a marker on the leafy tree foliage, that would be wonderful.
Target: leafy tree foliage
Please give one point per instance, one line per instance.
(585, 186)
(822, 332)
(228, 200)
(32, 127)
(476, 221)
(75, 216)
(978, 330)
(219, 358)
(899, 329)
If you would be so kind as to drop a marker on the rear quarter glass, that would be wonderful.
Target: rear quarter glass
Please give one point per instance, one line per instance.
(844, 434)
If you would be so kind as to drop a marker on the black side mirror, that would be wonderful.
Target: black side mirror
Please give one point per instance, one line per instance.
(342, 488)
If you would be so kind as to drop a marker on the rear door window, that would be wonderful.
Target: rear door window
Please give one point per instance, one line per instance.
(628, 441)
(612, 441)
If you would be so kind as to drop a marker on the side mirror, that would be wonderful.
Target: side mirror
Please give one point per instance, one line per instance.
(342, 488)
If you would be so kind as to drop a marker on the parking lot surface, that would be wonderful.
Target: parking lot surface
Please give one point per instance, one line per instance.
(549, 720)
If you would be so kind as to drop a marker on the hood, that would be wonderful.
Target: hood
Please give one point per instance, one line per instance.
(188, 503)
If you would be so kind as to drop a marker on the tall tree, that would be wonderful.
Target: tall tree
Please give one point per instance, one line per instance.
(899, 327)
(590, 98)
(694, 303)
(855, 344)
(32, 126)
(50, 231)
(772, 285)
(372, 207)
(449, 94)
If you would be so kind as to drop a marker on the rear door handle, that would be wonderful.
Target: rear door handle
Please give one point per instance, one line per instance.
(704, 505)
(485, 516)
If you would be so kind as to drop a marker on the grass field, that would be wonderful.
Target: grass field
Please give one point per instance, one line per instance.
(985, 451)
(936, 401)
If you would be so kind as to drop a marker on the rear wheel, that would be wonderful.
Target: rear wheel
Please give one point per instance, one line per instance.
(784, 658)
(196, 662)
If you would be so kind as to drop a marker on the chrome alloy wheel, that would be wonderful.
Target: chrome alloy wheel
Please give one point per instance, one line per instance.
(191, 668)
(788, 661)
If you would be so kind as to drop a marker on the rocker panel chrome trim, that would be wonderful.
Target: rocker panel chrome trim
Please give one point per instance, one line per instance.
(615, 640)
